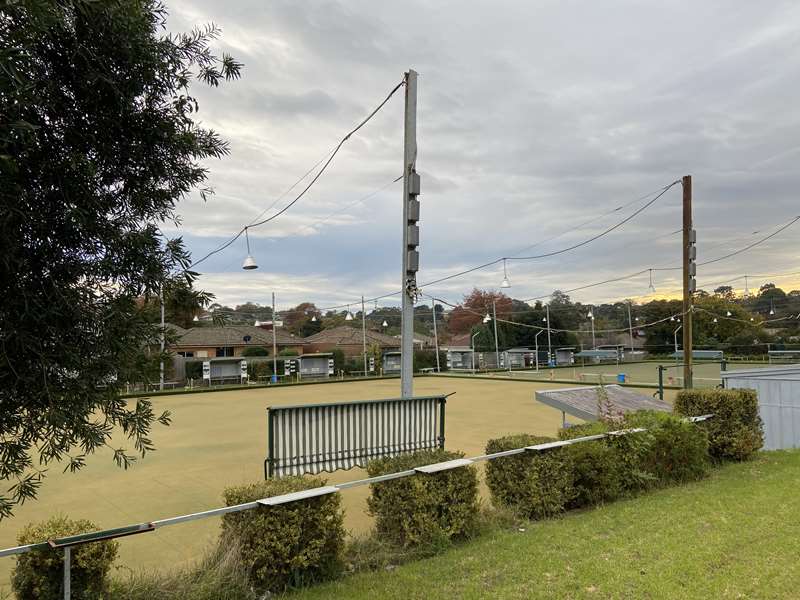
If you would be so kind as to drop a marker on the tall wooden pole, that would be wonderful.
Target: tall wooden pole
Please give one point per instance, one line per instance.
(364, 335)
(688, 280)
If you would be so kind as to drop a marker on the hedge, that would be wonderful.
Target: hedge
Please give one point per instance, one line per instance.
(599, 467)
(289, 545)
(735, 432)
(425, 508)
(672, 450)
(536, 484)
(39, 574)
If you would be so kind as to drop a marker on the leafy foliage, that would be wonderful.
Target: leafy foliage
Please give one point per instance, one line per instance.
(289, 545)
(98, 144)
(537, 484)
(426, 509)
(735, 432)
(39, 574)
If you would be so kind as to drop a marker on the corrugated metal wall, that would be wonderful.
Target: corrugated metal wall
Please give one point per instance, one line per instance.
(778, 392)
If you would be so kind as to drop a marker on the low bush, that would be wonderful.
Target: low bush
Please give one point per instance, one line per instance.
(598, 466)
(220, 575)
(672, 450)
(39, 574)
(290, 545)
(427, 509)
(735, 431)
(537, 484)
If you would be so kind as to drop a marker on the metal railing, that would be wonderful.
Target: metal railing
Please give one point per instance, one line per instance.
(67, 543)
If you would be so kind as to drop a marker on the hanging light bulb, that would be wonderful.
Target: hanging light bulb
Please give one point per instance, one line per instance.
(313, 318)
(672, 318)
(715, 320)
(771, 307)
(385, 324)
(349, 315)
(652, 288)
(196, 319)
(590, 315)
(249, 262)
(636, 319)
(752, 319)
(728, 313)
(505, 283)
(487, 318)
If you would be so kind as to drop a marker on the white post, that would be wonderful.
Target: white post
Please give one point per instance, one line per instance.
(549, 347)
(410, 255)
(473, 352)
(594, 344)
(364, 334)
(536, 340)
(496, 347)
(435, 336)
(274, 341)
(163, 342)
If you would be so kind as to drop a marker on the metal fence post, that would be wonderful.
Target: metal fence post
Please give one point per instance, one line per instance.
(270, 449)
(441, 422)
(660, 382)
(67, 569)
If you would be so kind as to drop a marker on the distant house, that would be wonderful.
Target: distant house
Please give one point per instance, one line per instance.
(348, 340)
(230, 341)
(459, 352)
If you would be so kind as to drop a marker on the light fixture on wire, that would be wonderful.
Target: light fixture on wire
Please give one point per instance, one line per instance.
(195, 319)
(384, 324)
(349, 315)
(728, 313)
(487, 318)
(313, 318)
(505, 283)
(590, 315)
(249, 262)
(771, 307)
(715, 320)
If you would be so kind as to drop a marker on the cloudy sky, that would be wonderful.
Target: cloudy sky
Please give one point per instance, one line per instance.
(534, 118)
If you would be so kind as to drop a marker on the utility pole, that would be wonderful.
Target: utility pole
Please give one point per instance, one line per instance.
(689, 283)
(630, 326)
(496, 347)
(591, 319)
(549, 347)
(435, 335)
(364, 334)
(163, 342)
(411, 189)
(274, 342)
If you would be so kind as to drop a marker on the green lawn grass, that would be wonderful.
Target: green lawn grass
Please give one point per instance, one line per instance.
(219, 439)
(735, 535)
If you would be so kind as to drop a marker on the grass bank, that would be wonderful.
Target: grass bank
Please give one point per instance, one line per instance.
(734, 535)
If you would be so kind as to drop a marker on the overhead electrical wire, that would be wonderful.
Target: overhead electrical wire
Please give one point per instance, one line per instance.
(330, 157)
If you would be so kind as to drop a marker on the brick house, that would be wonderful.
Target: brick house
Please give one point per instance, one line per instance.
(231, 341)
(348, 340)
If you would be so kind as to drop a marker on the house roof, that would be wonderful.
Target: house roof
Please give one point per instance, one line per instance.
(234, 335)
(459, 341)
(349, 336)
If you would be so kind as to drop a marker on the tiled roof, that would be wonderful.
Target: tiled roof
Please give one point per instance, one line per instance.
(234, 336)
(347, 336)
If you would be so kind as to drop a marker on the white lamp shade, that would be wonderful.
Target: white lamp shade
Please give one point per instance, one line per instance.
(195, 318)
(314, 318)
(715, 320)
(348, 317)
(385, 324)
(487, 318)
(727, 313)
(249, 263)
(505, 283)
(257, 324)
(772, 312)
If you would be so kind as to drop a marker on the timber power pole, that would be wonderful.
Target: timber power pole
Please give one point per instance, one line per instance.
(689, 282)
(411, 188)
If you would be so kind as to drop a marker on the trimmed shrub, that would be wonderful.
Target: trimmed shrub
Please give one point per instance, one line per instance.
(598, 466)
(290, 545)
(39, 575)
(537, 484)
(672, 450)
(424, 509)
(735, 431)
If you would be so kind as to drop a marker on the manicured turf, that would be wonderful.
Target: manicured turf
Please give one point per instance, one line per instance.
(706, 374)
(736, 535)
(219, 439)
